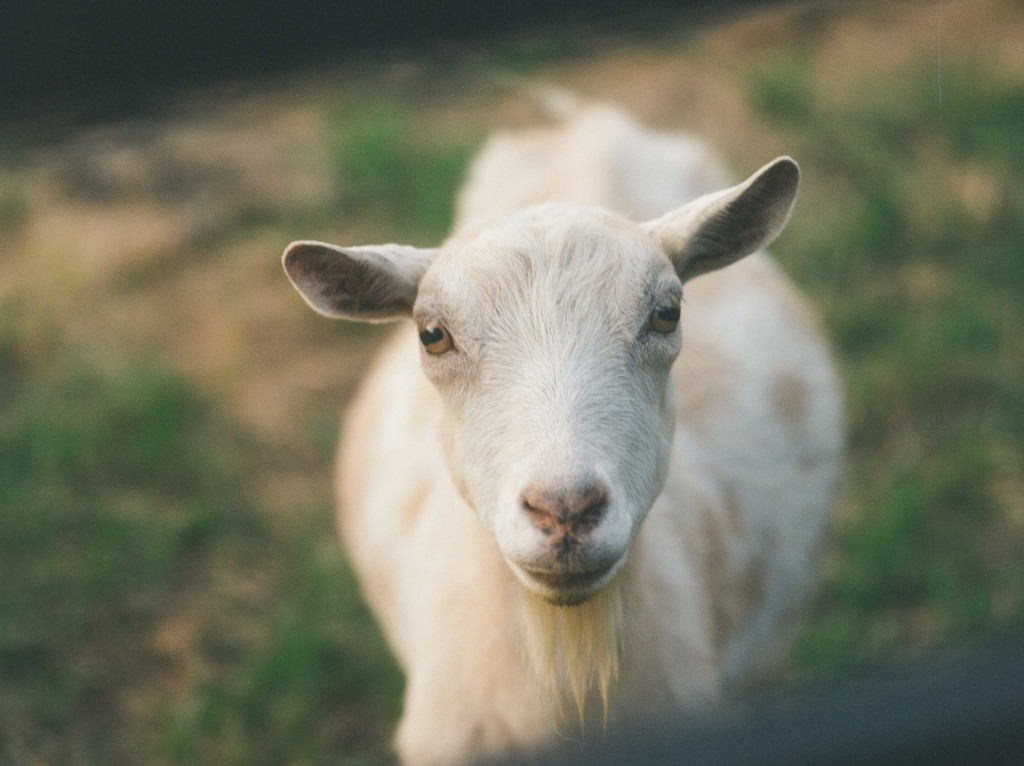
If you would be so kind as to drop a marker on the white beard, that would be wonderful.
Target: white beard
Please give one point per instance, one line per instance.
(574, 649)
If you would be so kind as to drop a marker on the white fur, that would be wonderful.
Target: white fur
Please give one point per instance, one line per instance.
(720, 472)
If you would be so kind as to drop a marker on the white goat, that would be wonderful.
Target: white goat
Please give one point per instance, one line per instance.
(564, 505)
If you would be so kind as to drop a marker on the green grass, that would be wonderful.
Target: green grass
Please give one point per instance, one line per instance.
(123, 501)
(106, 495)
(13, 204)
(525, 54)
(388, 173)
(935, 373)
(320, 684)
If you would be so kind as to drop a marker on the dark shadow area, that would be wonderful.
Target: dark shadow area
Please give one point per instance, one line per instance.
(68, 59)
(953, 712)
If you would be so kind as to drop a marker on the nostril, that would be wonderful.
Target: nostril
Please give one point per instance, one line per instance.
(544, 509)
(589, 498)
(567, 507)
(588, 505)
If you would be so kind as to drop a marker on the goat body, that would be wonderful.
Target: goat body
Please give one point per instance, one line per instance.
(580, 499)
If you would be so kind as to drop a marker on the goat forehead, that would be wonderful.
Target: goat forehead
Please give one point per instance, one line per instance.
(557, 240)
(551, 259)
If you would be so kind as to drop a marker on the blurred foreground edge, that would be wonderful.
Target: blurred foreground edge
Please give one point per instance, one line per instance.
(968, 711)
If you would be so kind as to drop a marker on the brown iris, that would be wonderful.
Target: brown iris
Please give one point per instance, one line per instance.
(436, 340)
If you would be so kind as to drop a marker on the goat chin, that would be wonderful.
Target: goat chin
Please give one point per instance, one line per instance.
(574, 649)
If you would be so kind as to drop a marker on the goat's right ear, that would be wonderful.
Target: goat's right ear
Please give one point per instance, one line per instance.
(374, 283)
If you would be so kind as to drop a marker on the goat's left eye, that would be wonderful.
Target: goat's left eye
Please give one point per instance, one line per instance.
(436, 340)
(664, 319)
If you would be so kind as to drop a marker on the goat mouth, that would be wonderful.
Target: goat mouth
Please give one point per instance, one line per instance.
(565, 588)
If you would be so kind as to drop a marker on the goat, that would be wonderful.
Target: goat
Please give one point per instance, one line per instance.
(594, 490)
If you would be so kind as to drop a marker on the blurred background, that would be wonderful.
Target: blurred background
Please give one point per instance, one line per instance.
(171, 587)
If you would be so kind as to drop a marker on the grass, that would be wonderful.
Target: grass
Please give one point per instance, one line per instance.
(921, 284)
(13, 205)
(123, 500)
(107, 497)
(292, 696)
(387, 173)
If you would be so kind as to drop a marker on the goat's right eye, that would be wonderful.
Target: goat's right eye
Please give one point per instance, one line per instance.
(436, 340)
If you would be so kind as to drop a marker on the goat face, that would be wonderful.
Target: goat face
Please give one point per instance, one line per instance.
(549, 338)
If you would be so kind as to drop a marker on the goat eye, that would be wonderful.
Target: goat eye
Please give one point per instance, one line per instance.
(664, 319)
(436, 340)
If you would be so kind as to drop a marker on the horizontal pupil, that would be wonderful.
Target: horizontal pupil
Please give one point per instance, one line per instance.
(431, 336)
(668, 315)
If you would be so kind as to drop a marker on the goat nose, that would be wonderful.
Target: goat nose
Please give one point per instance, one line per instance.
(572, 509)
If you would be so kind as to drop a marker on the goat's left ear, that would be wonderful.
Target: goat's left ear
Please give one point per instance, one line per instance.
(373, 283)
(720, 228)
